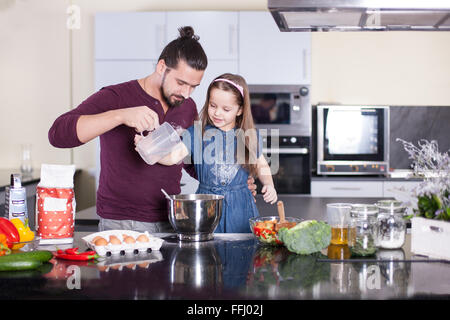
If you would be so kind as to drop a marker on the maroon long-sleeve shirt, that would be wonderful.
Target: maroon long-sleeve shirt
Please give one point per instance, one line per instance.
(128, 187)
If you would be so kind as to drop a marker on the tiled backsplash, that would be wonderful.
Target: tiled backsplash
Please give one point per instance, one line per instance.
(415, 123)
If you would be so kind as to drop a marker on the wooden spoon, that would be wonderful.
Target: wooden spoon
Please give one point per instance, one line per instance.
(282, 223)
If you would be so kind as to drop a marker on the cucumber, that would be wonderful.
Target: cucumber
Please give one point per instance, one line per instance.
(20, 274)
(38, 255)
(46, 267)
(19, 265)
(24, 260)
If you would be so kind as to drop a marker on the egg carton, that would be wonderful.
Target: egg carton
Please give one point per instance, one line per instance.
(142, 260)
(154, 243)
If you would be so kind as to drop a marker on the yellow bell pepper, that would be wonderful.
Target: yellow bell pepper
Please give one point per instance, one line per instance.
(25, 232)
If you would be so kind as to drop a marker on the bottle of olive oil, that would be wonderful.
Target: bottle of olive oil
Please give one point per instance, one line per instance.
(16, 199)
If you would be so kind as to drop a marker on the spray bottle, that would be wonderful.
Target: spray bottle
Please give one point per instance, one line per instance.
(16, 199)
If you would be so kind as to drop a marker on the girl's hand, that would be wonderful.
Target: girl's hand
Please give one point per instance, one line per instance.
(252, 186)
(270, 194)
(137, 138)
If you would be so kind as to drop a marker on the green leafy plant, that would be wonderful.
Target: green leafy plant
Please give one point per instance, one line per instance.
(433, 198)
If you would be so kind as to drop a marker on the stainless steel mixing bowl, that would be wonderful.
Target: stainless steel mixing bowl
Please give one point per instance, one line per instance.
(196, 265)
(195, 216)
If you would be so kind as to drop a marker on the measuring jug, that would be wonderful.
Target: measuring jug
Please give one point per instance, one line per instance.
(158, 143)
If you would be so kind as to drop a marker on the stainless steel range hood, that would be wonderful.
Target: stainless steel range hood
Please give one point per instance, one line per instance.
(361, 15)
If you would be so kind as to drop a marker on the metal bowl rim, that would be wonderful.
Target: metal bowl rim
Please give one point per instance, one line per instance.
(212, 197)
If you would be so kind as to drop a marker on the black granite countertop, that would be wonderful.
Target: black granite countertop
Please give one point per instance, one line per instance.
(236, 267)
(233, 267)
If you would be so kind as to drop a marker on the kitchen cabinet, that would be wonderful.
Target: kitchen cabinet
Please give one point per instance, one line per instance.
(218, 31)
(113, 72)
(268, 56)
(356, 189)
(400, 190)
(129, 35)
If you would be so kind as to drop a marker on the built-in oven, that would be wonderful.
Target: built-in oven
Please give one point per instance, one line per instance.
(282, 114)
(289, 159)
(352, 140)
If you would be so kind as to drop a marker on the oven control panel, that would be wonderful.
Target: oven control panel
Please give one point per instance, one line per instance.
(286, 141)
(363, 168)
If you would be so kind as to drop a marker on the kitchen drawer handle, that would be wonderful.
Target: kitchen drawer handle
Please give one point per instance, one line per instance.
(305, 64)
(436, 229)
(287, 151)
(345, 188)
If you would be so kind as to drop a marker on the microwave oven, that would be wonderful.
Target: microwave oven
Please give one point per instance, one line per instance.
(352, 140)
(286, 108)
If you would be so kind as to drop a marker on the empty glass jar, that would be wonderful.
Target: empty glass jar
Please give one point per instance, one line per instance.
(391, 226)
(363, 229)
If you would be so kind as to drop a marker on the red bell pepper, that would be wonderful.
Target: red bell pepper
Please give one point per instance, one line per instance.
(257, 231)
(10, 231)
(4, 250)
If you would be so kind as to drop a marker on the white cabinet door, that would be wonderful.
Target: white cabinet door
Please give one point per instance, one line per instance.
(350, 189)
(215, 68)
(268, 56)
(217, 31)
(129, 35)
(113, 72)
(400, 190)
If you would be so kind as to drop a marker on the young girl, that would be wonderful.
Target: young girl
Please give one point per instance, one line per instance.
(225, 150)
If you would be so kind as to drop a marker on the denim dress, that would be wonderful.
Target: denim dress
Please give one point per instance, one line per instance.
(219, 173)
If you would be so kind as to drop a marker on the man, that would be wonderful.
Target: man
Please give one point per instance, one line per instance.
(129, 193)
(264, 111)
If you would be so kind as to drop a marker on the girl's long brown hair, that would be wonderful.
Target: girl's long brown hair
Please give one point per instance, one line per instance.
(245, 127)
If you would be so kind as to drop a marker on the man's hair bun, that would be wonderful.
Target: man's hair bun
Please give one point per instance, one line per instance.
(185, 47)
(188, 33)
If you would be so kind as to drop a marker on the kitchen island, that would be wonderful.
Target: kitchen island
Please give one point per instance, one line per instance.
(236, 267)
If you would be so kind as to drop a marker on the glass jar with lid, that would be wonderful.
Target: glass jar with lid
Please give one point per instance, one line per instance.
(391, 226)
(363, 229)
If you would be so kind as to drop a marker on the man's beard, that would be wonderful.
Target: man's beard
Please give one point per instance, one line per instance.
(166, 97)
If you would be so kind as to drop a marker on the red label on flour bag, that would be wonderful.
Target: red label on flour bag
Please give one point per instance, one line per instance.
(55, 213)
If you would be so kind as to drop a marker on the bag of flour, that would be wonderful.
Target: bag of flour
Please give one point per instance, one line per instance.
(55, 204)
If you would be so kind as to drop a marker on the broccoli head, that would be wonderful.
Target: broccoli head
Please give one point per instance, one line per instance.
(306, 237)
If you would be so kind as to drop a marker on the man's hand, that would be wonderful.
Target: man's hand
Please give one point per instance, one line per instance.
(140, 118)
(252, 186)
(137, 138)
(93, 125)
